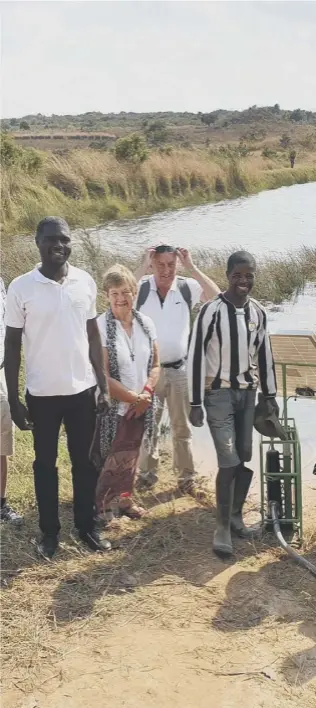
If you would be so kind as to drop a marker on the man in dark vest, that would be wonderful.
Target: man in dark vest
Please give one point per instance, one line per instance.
(168, 300)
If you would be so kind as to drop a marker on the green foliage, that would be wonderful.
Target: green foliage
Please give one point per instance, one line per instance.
(24, 125)
(297, 115)
(31, 160)
(157, 133)
(100, 144)
(97, 121)
(268, 152)
(285, 140)
(10, 152)
(132, 148)
(210, 118)
(12, 155)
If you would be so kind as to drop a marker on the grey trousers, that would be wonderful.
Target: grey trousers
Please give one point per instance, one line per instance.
(172, 388)
(230, 415)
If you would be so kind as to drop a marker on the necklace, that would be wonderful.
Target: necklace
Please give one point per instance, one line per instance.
(129, 342)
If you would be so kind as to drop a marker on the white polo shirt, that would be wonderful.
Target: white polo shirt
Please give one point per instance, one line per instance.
(54, 317)
(171, 319)
(133, 371)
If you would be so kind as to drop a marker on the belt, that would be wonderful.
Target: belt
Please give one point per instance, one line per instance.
(173, 364)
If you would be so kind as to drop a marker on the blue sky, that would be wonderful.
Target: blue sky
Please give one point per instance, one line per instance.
(72, 57)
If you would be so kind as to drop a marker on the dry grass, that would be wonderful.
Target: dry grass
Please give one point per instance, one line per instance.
(279, 277)
(161, 575)
(88, 186)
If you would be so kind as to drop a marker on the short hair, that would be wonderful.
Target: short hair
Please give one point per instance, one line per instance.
(165, 248)
(50, 221)
(240, 257)
(119, 275)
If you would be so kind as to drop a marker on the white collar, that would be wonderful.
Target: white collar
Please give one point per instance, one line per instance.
(71, 274)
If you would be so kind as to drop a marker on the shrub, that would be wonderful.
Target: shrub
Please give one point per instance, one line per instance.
(24, 125)
(267, 152)
(156, 133)
(285, 140)
(10, 152)
(31, 161)
(131, 148)
(297, 115)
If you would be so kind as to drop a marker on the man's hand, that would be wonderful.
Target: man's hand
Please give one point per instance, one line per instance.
(272, 405)
(196, 416)
(103, 403)
(146, 262)
(21, 416)
(185, 258)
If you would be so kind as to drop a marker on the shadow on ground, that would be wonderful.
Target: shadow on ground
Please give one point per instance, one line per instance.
(280, 590)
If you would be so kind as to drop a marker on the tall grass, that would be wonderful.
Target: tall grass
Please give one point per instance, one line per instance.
(278, 277)
(88, 187)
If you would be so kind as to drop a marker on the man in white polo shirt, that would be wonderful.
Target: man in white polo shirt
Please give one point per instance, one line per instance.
(168, 300)
(54, 308)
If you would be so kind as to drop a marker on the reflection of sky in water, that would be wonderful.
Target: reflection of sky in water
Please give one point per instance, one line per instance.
(298, 315)
(276, 220)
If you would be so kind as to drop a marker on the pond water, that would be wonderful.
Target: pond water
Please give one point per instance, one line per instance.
(272, 221)
(275, 221)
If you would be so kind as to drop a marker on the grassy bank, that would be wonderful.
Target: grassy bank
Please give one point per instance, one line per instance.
(278, 277)
(88, 187)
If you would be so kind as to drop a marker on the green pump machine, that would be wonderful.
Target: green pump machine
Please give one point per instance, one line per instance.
(280, 460)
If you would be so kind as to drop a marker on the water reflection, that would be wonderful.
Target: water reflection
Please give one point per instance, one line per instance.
(277, 220)
(274, 221)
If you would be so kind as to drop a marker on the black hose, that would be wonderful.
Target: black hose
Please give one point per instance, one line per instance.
(290, 551)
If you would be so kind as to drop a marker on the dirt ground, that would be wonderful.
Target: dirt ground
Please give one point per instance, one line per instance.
(160, 621)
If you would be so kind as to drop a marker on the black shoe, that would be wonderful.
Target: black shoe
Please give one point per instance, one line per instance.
(94, 542)
(8, 514)
(47, 546)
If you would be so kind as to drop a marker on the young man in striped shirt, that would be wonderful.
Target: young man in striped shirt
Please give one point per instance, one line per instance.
(229, 353)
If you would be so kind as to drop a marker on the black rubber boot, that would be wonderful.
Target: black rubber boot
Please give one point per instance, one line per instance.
(243, 480)
(222, 542)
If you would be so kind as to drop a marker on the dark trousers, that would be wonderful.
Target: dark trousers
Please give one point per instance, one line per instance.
(77, 412)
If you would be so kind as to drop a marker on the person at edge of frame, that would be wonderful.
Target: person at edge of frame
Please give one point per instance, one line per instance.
(6, 511)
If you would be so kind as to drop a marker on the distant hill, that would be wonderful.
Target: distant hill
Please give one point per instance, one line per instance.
(217, 120)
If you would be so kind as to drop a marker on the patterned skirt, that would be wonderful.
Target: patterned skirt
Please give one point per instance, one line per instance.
(119, 470)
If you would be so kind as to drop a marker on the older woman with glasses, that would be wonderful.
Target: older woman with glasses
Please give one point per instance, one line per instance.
(132, 368)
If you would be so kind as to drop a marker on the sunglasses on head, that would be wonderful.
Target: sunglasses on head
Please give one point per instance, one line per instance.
(165, 249)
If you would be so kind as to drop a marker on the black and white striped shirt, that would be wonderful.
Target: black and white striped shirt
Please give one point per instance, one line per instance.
(229, 347)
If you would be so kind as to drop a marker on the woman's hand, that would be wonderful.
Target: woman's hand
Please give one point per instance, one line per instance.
(137, 409)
